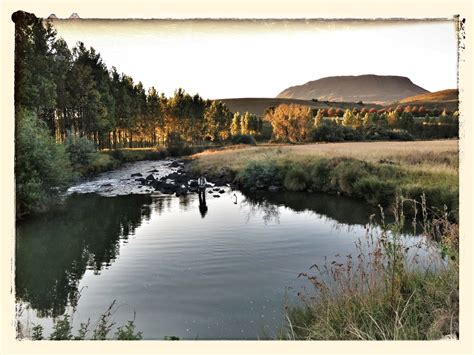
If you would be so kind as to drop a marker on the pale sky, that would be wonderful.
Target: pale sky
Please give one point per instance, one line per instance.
(260, 58)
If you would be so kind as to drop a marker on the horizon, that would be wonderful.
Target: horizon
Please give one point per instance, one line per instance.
(199, 55)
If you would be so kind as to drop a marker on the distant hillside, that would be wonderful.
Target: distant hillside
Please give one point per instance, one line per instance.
(366, 88)
(258, 105)
(448, 99)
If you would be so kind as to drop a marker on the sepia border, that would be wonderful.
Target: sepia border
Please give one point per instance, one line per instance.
(368, 9)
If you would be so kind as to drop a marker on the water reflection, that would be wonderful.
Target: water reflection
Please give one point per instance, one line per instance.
(53, 251)
(202, 202)
(344, 211)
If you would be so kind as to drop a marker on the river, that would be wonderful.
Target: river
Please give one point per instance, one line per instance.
(220, 272)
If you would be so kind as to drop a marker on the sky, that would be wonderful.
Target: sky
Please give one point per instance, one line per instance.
(260, 58)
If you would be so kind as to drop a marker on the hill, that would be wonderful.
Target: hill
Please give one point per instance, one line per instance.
(448, 99)
(380, 89)
(257, 105)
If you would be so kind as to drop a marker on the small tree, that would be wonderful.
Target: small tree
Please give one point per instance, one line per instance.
(235, 125)
(318, 118)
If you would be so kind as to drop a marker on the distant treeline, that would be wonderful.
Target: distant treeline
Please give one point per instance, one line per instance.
(294, 123)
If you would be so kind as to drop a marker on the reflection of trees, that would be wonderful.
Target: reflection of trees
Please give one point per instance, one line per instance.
(343, 210)
(270, 211)
(54, 250)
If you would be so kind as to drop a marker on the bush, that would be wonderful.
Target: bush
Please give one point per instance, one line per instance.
(330, 131)
(176, 146)
(265, 173)
(320, 175)
(295, 179)
(243, 139)
(42, 167)
(375, 191)
(81, 151)
(346, 173)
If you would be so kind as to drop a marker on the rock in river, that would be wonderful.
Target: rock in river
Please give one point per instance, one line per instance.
(136, 174)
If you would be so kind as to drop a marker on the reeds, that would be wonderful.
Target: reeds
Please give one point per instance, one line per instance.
(394, 288)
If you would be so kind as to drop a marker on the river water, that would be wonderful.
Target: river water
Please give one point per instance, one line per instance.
(223, 272)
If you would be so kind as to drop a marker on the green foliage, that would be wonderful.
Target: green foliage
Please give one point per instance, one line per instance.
(127, 332)
(37, 333)
(62, 330)
(375, 190)
(295, 179)
(82, 332)
(319, 175)
(171, 337)
(81, 151)
(376, 183)
(243, 139)
(42, 168)
(265, 173)
(346, 173)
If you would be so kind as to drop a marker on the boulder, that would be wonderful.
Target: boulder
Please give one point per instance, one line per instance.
(217, 195)
(136, 174)
(174, 164)
(150, 178)
(141, 180)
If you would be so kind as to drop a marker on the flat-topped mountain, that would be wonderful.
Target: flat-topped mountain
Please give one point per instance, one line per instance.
(381, 89)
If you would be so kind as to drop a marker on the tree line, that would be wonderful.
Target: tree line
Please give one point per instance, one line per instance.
(74, 92)
(295, 123)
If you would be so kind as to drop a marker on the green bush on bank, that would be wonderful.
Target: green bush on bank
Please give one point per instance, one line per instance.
(42, 167)
(81, 151)
(376, 183)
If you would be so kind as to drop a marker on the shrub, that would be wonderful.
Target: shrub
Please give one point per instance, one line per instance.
(81, 151)
(319, 175)
(243, 139)
(127, 332)
(375, 190)
(345, 175)
(296, 179)
(265, 172)
(42, 167)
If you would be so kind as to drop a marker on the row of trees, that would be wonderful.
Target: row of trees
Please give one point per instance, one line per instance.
(294, 123)
(74, 92)
(416, 111)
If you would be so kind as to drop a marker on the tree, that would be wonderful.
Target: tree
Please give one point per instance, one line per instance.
(235, 125)
(290, 122)
(42, 168)
(392, 118)
(318, 119)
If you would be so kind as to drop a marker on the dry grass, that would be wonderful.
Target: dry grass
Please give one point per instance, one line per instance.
(429, 156)
(386, 292)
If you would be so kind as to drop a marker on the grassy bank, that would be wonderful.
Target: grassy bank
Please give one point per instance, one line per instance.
(385, 292)
(376, 172)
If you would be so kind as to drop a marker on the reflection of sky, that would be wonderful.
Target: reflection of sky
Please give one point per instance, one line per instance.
(224, 276)
(260, 59)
